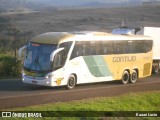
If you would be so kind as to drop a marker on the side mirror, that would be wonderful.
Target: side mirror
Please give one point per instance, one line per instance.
(20, 51)
(58, 60)
(54, 53)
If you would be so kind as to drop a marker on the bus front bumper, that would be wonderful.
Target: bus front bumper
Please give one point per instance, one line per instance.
(37, 81)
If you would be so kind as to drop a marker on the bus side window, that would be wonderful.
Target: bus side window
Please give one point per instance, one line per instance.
(117, 47)
(107, 48)
(66, 46)
(131, 47)
(103, 48)
(147, 46)
(78, 50)
(98, 48)
(59, 60)
(141, 46)
(90, 48)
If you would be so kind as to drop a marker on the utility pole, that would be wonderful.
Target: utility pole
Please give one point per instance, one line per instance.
(13, 33)
(13, 29)
(14, 37)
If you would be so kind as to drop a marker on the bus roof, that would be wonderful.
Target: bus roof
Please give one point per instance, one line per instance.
(58, 37)
(51, 37)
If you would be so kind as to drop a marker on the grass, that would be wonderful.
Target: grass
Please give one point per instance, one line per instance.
(144, 101)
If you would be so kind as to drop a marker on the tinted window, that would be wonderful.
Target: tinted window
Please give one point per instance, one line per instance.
(79, 49)
(90, 48)
(132, 46)
(120, 47)
(104, 48)
(143, 46)
(66, 46)
(87, 48)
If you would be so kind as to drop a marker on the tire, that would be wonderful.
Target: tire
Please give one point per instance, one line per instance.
(71, 82)
(125, 77)
(133, 77)
(155, 68)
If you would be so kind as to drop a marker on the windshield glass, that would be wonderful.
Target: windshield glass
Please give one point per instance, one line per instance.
(38, 57)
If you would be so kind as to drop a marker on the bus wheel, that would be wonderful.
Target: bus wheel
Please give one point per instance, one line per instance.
(125, 77)
(155, 68)
(71, 82)
(134, 76)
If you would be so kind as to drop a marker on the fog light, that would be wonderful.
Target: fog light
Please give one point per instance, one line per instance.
(47, 82)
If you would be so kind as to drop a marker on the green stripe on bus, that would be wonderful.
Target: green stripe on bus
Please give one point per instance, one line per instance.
(102, 65)
(92, 66)
(97, 66)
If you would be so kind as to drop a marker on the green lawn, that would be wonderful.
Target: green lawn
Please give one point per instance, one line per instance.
(143, 101)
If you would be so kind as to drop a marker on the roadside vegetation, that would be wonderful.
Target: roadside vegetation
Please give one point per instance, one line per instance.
(9, 67)
(144, 101)
(11, 39)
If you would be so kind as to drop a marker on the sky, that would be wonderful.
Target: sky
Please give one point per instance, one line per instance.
(73, 2)
(63, 2)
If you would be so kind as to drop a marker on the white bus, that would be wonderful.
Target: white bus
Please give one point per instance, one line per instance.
(70, 58)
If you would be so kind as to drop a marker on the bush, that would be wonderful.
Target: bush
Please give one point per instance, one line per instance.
(9, 66)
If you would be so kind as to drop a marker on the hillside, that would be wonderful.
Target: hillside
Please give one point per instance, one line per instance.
(102, 19)
(80, 19)
(7, 5)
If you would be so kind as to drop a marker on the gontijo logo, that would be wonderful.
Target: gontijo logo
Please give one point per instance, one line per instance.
(124, 59)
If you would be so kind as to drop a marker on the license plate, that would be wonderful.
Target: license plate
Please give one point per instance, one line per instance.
(34, 82)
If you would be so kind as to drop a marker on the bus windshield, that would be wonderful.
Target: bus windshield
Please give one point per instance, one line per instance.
(38, 57)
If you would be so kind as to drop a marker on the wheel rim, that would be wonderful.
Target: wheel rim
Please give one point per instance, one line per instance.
(156, 68)
(71, 82)
(134, 76)
(125, 77)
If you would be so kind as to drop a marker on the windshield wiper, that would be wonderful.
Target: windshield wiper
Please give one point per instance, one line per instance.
(36, 61)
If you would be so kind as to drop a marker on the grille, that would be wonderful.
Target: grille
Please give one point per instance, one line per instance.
(146, 69)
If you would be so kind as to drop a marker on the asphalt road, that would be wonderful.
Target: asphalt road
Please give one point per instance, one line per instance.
(13, 93)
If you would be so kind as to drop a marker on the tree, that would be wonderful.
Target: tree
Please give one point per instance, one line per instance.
(19, 38)
(11, 38)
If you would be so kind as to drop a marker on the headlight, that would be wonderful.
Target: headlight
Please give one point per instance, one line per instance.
(23, 73)
(49, 76)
